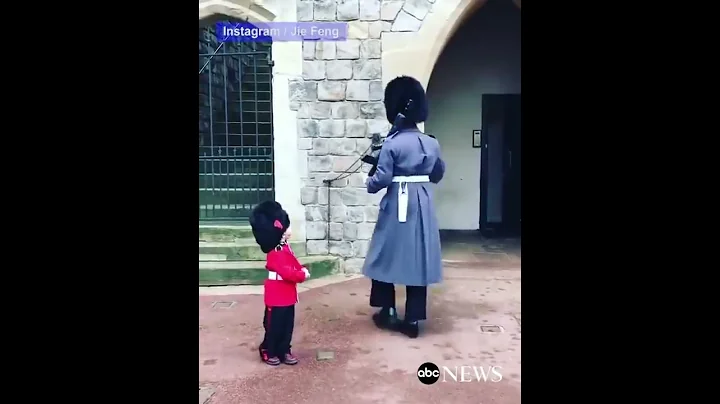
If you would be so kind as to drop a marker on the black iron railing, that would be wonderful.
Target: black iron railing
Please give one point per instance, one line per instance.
(235, 127)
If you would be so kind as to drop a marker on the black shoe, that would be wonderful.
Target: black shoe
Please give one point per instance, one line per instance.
(384, 321)
(412, 330)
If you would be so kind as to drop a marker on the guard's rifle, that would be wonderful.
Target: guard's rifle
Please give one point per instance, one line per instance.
(377, 142)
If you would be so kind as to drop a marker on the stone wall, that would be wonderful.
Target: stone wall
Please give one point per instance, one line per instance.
(339, 106)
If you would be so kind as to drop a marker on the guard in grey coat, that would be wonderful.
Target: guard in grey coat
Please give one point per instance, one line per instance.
(405, 247)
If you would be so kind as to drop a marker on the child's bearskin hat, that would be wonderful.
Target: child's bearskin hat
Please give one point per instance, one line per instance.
(399, 92)
(269, 221)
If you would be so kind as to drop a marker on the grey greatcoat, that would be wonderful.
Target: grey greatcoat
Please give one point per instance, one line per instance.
(406, 253)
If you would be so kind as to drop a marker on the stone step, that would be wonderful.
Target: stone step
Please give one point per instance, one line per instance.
(221, 273)
(213, 257)
(244, 249)
(210, 232)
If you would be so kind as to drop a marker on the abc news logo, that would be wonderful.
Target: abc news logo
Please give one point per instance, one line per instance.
(430, 373)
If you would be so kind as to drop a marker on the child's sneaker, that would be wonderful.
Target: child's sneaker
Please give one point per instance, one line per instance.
(263, 354)
(290, 359)
(274, 361)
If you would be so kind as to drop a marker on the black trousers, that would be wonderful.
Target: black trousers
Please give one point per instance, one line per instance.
(382, 294)
(278, 323)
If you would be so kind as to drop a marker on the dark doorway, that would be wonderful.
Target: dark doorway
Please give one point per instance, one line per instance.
(500, 162)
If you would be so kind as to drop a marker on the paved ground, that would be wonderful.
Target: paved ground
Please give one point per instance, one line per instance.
(481, 287)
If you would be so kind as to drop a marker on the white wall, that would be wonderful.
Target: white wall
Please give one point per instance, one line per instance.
(290, 165)
(482, 57)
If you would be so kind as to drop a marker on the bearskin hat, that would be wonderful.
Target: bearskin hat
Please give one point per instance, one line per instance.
(269, 221)
(397, 94)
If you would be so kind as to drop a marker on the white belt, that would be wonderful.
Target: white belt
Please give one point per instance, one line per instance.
(403, 194)
(273, 276)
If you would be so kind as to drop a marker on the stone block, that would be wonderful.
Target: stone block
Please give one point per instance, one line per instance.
(319, 110)
(377, 92)
(369, 10)
(349, 49)
(365, 230)
(303, 90)
(362, 146)
(357, 180)
(345, 110)
(320, 163)
(324, 10)
(342, 163)
(304, 143)
(360, 248)
(358, 90)
(358, 30)
(354, 196)
(338, 213)
(307, 128)
(336, 231)
(371, 213)
(308, 195)
(315, 179)
(367, 69)
(417, 8)
(339, 69)
(308, 50)
(301, 109)
(331, 128)
(305, 10)
(350, 231)
(348, 10)
(325, 50)
(313, 70)
(341, 248)
(316, 230)
(389, 9)
(356, 128)
(331, 91)
(376, 28)
(320, 147)
(317, 247)
(355, 214)
(335, 196)
(372, 110)
(316, 213)
(406, 23)
(324, 355)
(370, 49)
(341, 147)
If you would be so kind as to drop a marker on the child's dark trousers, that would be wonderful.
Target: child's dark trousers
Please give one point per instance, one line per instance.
(278, 323)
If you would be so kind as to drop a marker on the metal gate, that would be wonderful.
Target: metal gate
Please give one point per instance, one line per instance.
(235, 124)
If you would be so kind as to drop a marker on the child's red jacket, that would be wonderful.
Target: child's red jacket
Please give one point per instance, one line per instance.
(284, 273)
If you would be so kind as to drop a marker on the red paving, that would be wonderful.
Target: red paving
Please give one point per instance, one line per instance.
(370, 365)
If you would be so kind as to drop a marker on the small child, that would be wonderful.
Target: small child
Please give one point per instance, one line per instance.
(271, 228)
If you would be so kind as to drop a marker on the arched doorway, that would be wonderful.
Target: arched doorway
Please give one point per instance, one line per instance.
(474, 95)
(235, 124)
